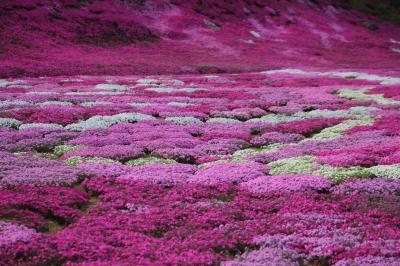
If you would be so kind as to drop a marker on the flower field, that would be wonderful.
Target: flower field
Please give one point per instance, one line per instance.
(199, 132)
(278, 167)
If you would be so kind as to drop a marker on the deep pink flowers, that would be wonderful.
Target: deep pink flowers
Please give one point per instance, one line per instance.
(195, 224)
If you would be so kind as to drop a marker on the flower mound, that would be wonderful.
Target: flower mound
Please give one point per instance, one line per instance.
(288, 183)
(228, 173)
(10, 233)
(377, 187)
(25, 170)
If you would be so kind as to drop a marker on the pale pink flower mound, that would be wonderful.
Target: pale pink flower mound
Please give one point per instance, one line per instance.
(289, 183)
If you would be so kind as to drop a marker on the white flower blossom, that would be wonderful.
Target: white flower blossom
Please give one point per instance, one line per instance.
(107, 121)
(184, 120)
(9, 122)
(40, 125)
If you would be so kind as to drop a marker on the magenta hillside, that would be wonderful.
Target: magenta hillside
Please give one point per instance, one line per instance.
(207, 132)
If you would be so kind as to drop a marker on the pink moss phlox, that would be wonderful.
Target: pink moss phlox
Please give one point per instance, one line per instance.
(289, 183)
(116, 152)
(26, 170)
(376, 186)
(39, 139)
(161, 173)
(229, 173)
(308, 126)
(33, 205)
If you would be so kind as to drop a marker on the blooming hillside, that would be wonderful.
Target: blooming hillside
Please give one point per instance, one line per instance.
(66, 37)
(233, 133)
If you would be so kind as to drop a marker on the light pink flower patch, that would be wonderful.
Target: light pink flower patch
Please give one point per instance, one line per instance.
(290, 183)
(228, 173)
(161, 173)
(10, 233)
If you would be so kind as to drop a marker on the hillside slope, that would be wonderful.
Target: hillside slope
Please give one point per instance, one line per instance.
(67, 37)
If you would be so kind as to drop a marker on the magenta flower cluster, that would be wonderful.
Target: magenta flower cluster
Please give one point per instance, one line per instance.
(195, 224)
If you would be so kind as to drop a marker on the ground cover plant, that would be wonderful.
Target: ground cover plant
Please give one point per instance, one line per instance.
(151, 172)
(121, 148)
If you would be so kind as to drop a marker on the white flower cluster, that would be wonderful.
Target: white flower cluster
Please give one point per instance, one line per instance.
(223, 120)
(241, 155)
(255, 34)
(159, 82)
(149, 160)
(338, 130)
(40, 125)
(356, 112)
(390, 171)
(361, 112)
(147, 81)
(274, 118)
(293, 165)
(77, 160)
(60, 150)
(184, 120)
(384, 80)
(307, 165)
(55, 103)
(140, 104)
(180, 104)
(9, 122)
(15, 84)
(95, 103)
(111, 87)
(94, 93)
(360, 95)
(99, 121)
(15, 102)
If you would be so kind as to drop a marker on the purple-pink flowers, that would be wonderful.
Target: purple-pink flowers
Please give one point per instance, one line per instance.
(288, 183)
